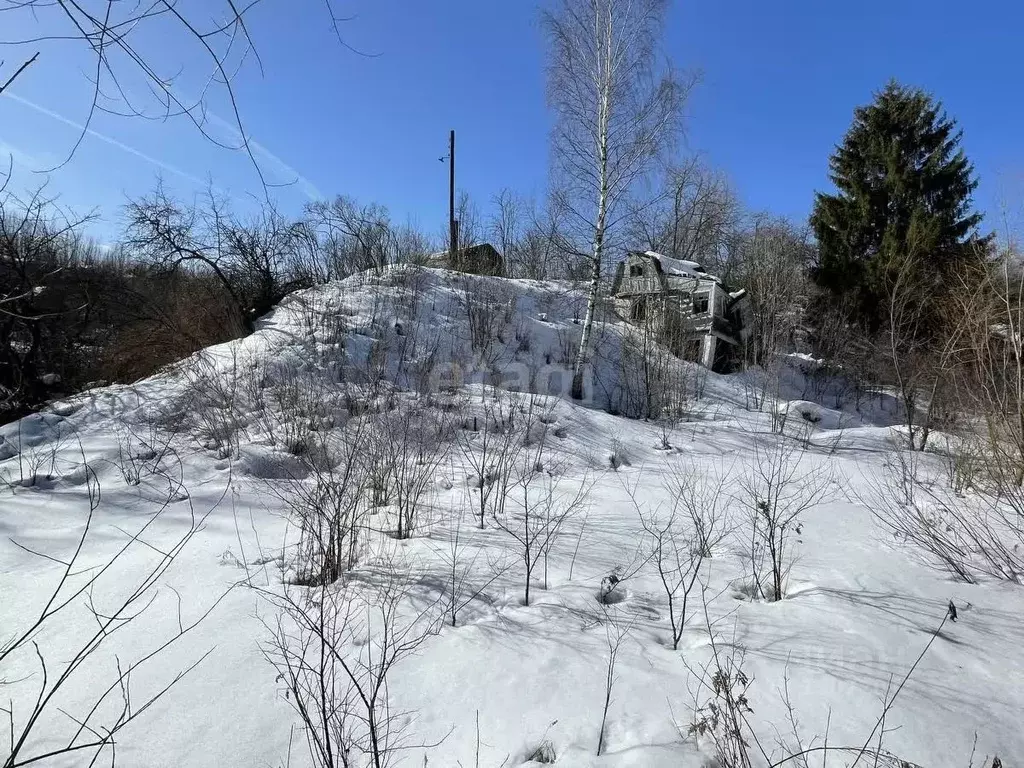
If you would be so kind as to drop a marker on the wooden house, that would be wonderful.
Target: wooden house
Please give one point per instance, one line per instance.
(693, 313)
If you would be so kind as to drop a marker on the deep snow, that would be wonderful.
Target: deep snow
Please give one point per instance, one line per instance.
(858, 611)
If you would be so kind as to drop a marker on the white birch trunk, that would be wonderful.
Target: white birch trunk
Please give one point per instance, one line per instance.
(604, 84)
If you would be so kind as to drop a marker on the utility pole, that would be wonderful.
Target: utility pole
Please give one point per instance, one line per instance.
(453, 224)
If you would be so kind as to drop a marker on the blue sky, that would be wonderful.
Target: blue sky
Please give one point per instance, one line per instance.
(780, 81)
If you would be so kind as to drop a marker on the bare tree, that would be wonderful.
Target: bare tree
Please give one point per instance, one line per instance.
(614, 114)
(530, 238)
(546, 250)
(771, 260)
(251, 260)
(411, 245)
(128, 76)
(354, 238)
(691, 217)
(265, 265)
(506, 223)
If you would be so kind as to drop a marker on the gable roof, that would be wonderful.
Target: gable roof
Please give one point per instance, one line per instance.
(680, 267)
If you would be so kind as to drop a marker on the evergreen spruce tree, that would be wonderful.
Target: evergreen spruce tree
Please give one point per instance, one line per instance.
(903, 189)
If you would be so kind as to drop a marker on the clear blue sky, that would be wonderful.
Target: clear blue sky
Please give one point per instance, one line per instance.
(780, 82)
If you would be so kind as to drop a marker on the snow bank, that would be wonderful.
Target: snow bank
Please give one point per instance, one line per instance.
(813, 414)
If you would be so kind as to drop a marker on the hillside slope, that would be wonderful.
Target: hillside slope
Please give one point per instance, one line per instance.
(212, 462)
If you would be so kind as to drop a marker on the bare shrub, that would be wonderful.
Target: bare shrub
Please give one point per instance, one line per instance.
(141, 450)
(491, 445)
(680, 538)
(380, 468)
(721, 710)
(328, 505)
(615, 633)
(655, 383)
(701, 496)
(468, 570)
(489, 311)
(211, 405)
(778, 490)
(720, 714)
(966, 534)
(617, 455)
(335, 648)
(964, 462)
(538, 509)
(113, 704)
(304, 401)
(410, 442)
(544, 753)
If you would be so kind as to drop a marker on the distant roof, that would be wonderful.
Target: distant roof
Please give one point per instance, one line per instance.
(464, 249)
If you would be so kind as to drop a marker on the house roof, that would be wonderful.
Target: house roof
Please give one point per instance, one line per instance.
(469, 249)
(680, 267)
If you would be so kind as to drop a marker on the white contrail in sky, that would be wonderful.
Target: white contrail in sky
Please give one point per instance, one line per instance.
(107, 139)
(293, 176)
(308, 188)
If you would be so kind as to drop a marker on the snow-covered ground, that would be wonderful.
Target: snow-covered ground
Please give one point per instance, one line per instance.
(199, 457)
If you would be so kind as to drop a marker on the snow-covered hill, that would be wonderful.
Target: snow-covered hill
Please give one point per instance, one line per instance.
(197, 476)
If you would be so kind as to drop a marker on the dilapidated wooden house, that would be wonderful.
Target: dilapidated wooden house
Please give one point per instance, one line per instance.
(693, 313)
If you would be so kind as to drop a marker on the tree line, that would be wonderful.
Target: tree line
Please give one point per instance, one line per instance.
(184, 275)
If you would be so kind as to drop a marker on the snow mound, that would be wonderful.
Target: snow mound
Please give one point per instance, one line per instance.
(813, 413)
(427, 330)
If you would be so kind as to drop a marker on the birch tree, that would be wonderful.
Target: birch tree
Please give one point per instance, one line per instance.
(615, 113)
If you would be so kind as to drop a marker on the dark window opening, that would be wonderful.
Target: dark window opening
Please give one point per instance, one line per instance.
(639, 310)
(725, 358)
(637, 270)
(700, 305)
